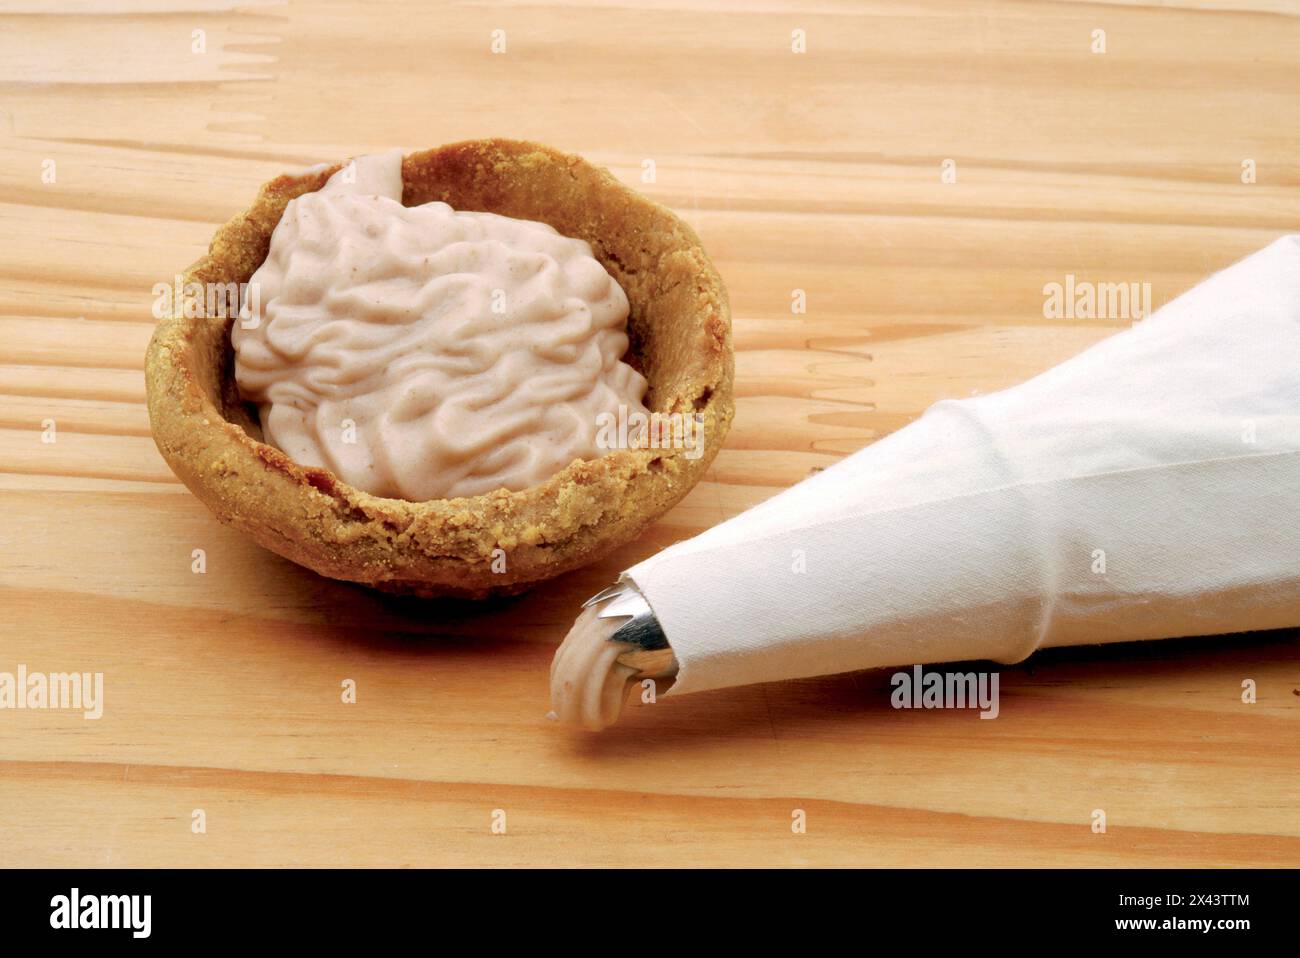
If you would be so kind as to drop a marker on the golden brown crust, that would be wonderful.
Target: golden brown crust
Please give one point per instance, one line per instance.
(680, 331)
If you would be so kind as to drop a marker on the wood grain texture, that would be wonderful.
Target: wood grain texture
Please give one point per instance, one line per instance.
(817, 171)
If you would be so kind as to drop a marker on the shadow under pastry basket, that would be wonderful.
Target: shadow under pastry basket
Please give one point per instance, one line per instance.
(502, 542)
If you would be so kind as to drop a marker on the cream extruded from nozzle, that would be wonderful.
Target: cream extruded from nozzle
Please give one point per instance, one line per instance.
(1146, 488)
(588, 682)
(423, 352)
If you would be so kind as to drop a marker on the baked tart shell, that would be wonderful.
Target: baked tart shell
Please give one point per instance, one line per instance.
(502, 542)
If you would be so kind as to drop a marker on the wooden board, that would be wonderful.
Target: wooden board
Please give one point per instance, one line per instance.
(817, 171)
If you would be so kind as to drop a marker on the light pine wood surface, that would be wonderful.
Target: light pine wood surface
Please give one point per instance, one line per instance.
(126, 138)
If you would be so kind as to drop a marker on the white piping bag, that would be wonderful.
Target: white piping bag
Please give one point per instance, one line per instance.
(1147, 488)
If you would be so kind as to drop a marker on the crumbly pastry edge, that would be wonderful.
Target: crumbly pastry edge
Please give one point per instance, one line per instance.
(681, 340)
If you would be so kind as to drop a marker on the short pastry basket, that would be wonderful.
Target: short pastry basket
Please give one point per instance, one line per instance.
(494, 544)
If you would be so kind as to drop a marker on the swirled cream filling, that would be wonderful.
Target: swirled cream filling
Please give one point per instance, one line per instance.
(424, 352)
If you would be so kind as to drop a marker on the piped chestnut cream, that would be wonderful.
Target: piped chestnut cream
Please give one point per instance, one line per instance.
(425, 352)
